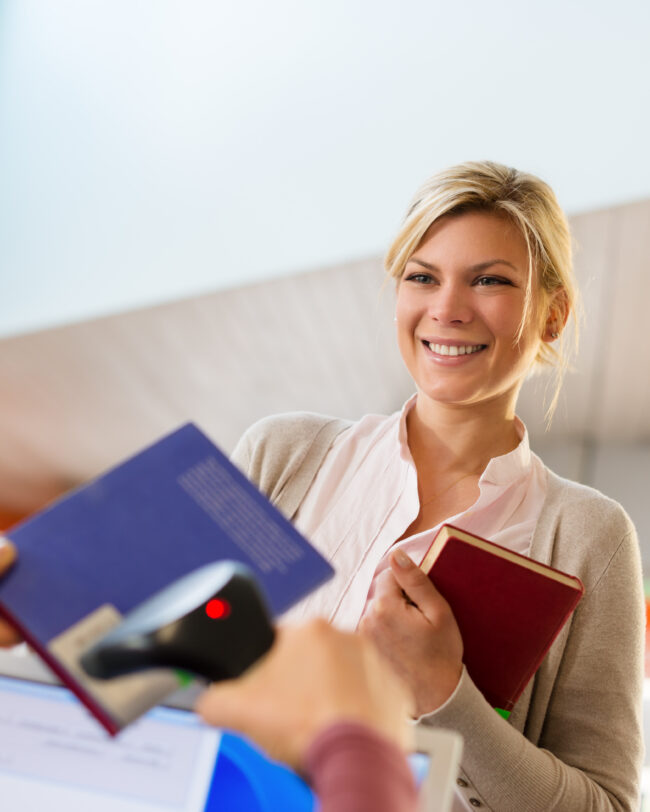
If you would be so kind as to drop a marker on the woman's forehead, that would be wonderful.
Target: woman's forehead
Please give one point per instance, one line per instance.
(474, 238)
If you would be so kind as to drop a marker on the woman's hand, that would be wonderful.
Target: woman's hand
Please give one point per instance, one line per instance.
(313, 676)
(414, 628)
(8, 635)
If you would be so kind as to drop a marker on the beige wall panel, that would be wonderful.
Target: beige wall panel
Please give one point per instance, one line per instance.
(622, 471)
(78, 399)
(625, 371)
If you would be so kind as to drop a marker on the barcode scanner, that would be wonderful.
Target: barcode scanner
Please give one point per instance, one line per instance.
(213, 622)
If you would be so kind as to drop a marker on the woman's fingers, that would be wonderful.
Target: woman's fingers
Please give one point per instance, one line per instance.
(417, 587)
(414, 628)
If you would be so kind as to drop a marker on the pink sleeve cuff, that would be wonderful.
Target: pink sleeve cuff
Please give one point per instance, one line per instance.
(355, 769)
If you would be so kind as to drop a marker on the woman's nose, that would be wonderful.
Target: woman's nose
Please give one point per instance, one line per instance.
(450, 304)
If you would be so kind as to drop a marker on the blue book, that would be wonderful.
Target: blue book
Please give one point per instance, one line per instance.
(88, 559)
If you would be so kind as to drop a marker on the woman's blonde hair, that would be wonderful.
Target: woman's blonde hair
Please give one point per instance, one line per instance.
(531, 205)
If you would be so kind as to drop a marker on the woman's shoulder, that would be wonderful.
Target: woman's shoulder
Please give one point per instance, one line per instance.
(580, 530)
(568, 497)
(286, 432)
(302, 423)
(286, 447)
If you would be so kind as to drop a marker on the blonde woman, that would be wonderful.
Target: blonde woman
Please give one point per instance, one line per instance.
(484, 289)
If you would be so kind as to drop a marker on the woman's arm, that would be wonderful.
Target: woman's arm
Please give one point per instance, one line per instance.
(588, 752)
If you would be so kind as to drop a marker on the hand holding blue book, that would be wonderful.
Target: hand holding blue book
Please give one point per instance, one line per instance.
(93, 556)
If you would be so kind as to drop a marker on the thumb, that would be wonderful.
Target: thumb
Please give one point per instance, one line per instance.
(416, 585)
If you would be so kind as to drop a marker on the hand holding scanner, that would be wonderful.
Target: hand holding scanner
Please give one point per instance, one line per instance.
(213, 622)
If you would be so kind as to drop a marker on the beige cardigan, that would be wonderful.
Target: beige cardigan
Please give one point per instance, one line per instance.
(574, 739)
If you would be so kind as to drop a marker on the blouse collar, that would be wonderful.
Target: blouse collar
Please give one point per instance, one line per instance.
(501, 470)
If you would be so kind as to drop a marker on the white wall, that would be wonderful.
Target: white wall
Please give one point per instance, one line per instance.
(152, 149)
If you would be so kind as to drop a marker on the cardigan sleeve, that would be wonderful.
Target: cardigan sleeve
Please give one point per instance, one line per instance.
(590, 749)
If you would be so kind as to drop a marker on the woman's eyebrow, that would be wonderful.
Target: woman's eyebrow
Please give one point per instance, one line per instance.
(481, 266)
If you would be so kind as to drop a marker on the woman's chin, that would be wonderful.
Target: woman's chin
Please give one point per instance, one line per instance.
(464, 398)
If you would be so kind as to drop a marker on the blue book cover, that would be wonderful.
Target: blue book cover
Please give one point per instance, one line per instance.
(87, 560)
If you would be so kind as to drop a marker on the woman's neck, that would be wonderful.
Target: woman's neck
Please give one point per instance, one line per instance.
(443, 439)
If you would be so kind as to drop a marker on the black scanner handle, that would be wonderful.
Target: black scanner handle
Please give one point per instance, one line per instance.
(213, 622)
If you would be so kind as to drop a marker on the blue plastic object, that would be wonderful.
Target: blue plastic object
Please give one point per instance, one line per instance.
(245, 780)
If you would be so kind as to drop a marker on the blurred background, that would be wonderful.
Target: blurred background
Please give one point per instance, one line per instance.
(195, 198)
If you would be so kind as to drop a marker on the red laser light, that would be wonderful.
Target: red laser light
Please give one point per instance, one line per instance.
(217, 609)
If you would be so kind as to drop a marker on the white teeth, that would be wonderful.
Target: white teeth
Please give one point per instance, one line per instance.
(446, 349)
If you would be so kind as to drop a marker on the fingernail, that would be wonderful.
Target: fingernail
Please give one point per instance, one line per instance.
(401, 559)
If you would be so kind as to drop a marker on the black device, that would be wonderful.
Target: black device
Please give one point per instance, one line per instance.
(213, 622)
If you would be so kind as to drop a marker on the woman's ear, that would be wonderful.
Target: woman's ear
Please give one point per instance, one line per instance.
(557, 315)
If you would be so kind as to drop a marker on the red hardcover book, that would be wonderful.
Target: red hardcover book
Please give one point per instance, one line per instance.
(509, 608)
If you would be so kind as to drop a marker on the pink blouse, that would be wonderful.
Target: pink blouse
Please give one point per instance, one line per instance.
(365, 496)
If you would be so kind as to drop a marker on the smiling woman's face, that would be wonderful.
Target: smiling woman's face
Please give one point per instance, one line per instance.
(459, 308)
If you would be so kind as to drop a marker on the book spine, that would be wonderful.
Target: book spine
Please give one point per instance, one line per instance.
(107, 721)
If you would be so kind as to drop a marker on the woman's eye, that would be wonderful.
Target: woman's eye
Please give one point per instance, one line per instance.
(488, 281)
(421, 278)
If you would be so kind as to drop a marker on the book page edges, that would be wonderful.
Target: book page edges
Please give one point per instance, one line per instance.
(447, 532)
